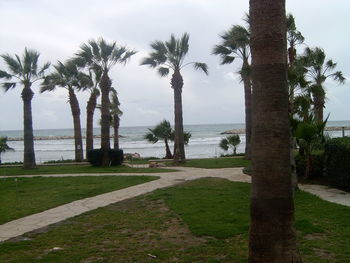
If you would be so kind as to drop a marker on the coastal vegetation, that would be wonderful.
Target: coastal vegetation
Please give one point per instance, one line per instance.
(101, 56)
(235, 45)
(231, 141)
(206, 220)
(4, 147)
(68, 76)
(163, 131)
(24, 196)
(170, 56)
(24, 71)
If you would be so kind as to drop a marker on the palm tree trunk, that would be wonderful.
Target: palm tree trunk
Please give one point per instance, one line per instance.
(318, 106)
(116, 125)
(78, 141)
(28, 138)
(272, 235)
(248, 108)
(168, 154)
(90, 109)
(105, 85)
(177, 84)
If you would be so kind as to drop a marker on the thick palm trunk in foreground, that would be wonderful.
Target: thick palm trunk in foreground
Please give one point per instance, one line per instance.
(272, 237)
(90, 109)
(177, 84)
(105, 85)
(28, 138)
(78, 141)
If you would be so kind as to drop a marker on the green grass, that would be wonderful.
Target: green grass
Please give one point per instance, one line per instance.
(199, 221)
(24, 196)
(73, 169)
(211, 163)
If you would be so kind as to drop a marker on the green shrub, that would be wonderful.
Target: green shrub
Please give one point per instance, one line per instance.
(317, 170)
(116, 157)
(337, 162)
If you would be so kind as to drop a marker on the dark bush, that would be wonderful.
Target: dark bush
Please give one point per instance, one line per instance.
(116, 157)
(337, 162)
(95, 157)
(317, 170)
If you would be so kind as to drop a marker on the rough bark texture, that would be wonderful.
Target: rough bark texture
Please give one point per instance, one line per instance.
(248, 109)
(294, 177)
(28, 139)
(318, 107)
(78, 141)
(105, 85)
(177, 84)
(272, 236)
(90, 110)
(116, 124)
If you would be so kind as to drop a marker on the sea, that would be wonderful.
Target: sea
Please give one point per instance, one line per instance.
(203, 143)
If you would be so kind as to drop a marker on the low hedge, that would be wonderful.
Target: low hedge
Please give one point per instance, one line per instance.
(337, 162)
(116, 157)
(317, 165)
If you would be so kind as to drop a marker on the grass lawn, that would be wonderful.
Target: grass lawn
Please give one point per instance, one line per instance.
(223, 162)
(199, 221)
(72, 169)
(24, 196)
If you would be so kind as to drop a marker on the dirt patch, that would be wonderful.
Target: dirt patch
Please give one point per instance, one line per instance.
(315, 236)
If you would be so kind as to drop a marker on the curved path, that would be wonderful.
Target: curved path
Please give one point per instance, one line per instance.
(32, 222)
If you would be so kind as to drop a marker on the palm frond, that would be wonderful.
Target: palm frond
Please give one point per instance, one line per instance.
(5, 75)
(149, 61)
(183, 45)
(150, 137)
(163, 71)
(338, 76)
(8, 85)
(201, 66)
(13, 65)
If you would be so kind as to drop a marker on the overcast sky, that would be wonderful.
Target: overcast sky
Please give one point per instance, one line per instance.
(57, 28)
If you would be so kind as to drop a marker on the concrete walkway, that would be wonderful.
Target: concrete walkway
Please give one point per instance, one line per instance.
(32, 222)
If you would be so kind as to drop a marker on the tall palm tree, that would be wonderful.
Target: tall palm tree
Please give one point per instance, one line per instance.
(170, 56)
(272, 236)
(67, 76)
(235, 45)
(24, 71)
(102, 55)
(319, 70)
(4, 147)
(95, 77)
(116, 113)
(161, 131)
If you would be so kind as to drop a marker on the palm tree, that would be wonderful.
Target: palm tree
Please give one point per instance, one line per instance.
(161, 131)
(116, 113)
(319, 70)
(230, 141)
(166, 56)
(4, 147)
(310, 137)
(95, 76)
(24, 71)
(272, 236)
(235, 45)
(102, 55)
(68, 76)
